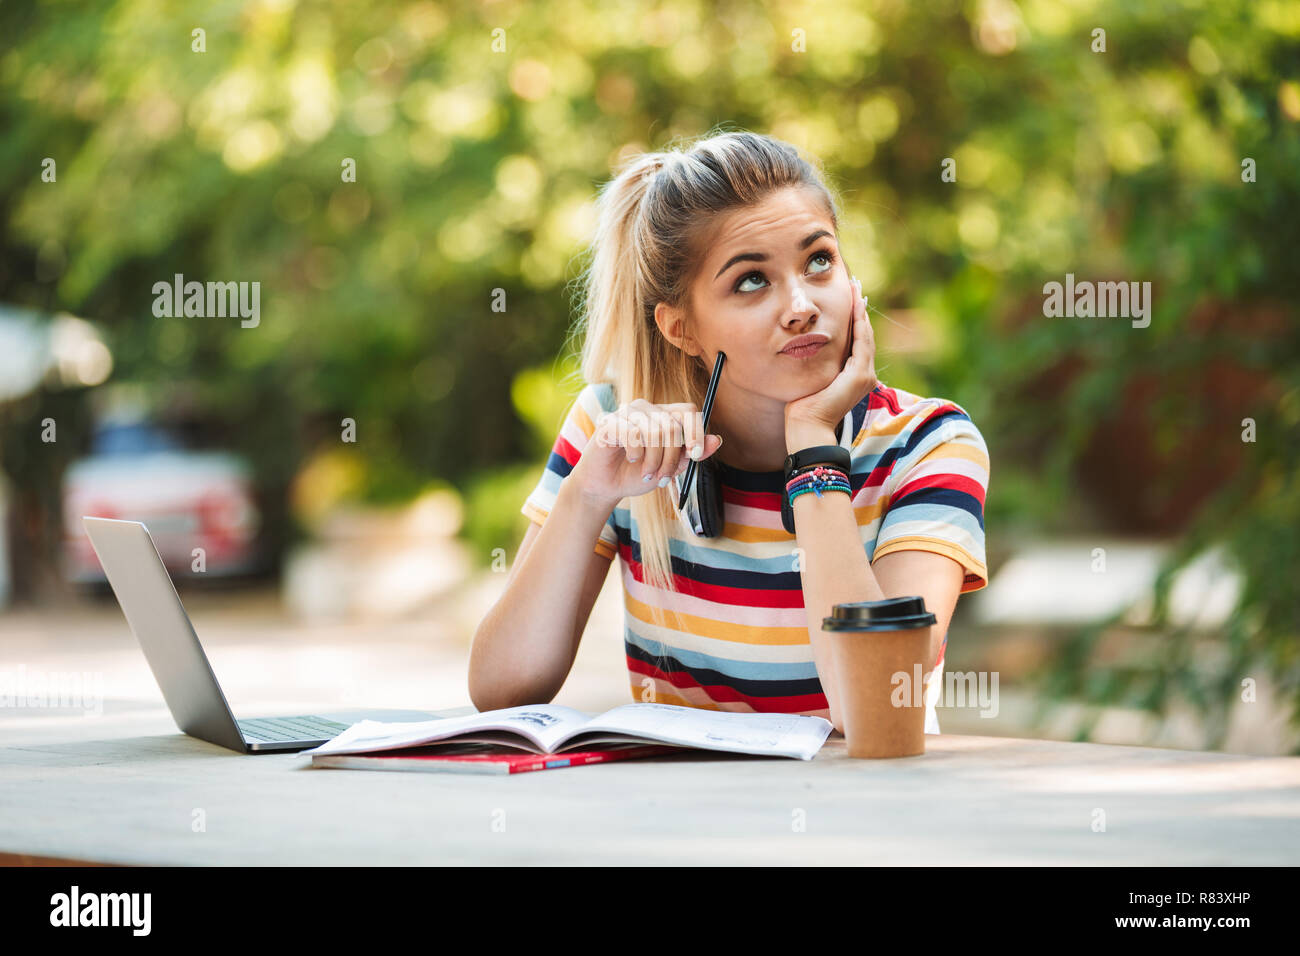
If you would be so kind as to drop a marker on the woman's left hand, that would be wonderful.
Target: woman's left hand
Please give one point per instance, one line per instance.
(827, 408)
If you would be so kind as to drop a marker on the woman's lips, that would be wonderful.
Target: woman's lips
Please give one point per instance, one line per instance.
(805, 351)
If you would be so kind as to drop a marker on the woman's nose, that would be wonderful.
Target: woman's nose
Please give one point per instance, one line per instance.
(800, 301)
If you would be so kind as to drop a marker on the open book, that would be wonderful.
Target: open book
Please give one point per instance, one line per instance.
(552, 728)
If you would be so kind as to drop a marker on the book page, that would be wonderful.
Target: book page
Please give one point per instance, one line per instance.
(498, 738)
(584, 740)
(786, 735)
(543, 725)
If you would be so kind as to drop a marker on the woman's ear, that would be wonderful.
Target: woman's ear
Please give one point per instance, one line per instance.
(672, 323)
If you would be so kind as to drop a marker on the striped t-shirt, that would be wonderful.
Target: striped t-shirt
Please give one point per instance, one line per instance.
(739, 640)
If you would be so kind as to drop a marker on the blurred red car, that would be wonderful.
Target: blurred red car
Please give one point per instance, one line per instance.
(187, 499)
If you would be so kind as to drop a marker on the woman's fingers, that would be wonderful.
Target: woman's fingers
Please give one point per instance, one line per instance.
(657, 439)
(633, 442)
(673, 438)
(692, 421)
(643, 419)
(692, 431)
(711, 444)
(654, 455)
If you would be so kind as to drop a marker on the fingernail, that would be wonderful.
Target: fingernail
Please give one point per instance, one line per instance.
(663, 481)
(696, 452)
(647, 477)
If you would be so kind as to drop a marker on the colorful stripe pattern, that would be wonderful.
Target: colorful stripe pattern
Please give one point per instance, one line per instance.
(735, 636)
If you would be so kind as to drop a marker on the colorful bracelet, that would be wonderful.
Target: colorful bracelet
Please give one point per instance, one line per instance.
(814, 474)
(835, 487)
(818, 479)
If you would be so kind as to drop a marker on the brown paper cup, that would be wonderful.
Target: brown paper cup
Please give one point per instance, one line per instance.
(881, 650)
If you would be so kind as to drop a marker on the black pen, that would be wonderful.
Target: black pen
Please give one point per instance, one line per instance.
(708, 410)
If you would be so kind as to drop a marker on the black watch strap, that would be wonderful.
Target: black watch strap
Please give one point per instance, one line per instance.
(836, 455)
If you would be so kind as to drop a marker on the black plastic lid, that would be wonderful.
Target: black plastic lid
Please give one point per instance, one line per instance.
(891, 614)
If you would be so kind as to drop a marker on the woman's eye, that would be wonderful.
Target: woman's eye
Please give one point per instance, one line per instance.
(824, 254)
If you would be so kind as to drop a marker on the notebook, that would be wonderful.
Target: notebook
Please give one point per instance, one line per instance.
(555, 729)
(485, 758)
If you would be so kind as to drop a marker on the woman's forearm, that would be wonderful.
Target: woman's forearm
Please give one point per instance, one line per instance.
(833, 563)
(524, 648)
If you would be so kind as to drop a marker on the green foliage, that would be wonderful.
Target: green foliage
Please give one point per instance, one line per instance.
(492, 516)
(542, 397)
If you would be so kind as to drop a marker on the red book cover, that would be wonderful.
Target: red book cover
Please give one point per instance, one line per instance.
(485, 758)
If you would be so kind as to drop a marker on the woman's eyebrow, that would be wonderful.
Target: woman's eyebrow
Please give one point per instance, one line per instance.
(762, 257)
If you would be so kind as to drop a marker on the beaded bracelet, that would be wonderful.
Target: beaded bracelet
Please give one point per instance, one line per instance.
(829, 487)
(808, 472)
(813, 473)
(819, 489)
(818, 479)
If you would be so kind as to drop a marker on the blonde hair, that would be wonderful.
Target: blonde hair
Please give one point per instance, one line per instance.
(653, 220)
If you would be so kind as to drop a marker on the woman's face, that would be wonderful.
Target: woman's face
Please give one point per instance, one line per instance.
(772, 273)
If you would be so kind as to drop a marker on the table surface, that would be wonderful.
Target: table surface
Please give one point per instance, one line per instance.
(127, 790)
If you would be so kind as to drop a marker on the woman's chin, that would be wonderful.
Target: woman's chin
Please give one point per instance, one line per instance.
(807, 383)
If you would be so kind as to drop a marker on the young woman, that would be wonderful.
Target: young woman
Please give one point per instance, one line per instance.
(731, 246)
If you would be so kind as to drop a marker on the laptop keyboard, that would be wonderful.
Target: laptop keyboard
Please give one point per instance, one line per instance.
(290, 728)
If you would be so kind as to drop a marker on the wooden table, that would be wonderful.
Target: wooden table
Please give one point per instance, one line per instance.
(131, 790)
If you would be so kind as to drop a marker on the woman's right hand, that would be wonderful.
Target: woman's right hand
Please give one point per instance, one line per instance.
(639, 439)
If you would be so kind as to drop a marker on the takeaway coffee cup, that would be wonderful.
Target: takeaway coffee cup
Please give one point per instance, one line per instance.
(872, 641)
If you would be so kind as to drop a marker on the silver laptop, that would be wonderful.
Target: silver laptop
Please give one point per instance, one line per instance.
(152, 607)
